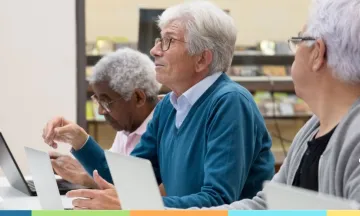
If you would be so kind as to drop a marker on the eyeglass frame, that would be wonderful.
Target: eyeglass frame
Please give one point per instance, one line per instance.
(297, 40)
(103, 104)
(158, 39)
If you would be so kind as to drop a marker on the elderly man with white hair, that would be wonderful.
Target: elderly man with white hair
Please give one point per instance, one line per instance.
(207, 141)
(324, 155)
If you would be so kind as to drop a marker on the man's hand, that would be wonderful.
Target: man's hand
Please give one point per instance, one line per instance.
(61, 130)
(71, 170)
(104, 199)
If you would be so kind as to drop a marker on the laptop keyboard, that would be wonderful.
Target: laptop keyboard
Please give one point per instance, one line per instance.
(62, 185)
(31, 185)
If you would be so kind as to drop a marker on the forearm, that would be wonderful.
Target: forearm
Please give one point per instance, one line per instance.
(256, 203)
(202, 199)
(92, 157)
(205, 201)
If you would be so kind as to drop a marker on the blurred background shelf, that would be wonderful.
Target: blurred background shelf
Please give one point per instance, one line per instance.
(238, 59)
(243, 59)
(290, 117)
(266, 83)
(91, 60)
(259, 83)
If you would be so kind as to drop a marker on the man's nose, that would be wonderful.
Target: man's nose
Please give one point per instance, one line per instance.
(156, 50)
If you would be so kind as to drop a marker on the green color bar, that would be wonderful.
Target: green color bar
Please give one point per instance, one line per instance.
(81, 213)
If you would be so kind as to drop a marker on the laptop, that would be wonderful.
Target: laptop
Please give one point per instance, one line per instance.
(135, 182)
(286, 197)
(44, 180)
(16, 178)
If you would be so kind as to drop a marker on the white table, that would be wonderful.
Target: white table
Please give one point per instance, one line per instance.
(16, 200)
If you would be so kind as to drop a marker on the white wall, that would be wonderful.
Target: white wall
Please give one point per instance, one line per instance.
(255, 19)
(37, 70)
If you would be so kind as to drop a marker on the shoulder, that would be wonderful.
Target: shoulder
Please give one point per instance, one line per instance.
(232, 101)
(163, 108)
(348, 131)
(164, 102)
(230, 90)
(352, 120)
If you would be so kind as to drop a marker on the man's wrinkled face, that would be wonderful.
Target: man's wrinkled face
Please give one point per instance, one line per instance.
(173, 63)
(116, 110)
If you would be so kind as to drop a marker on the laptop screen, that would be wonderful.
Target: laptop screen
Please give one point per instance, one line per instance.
(10, 167)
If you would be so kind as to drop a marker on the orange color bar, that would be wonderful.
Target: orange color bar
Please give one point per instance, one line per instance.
(179, 213)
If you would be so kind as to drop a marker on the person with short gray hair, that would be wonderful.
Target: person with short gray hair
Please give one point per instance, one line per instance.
(127, 92)
(207, 142)
(127, 70)
(324, 155)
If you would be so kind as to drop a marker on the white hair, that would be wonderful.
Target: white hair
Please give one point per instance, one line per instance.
(127, 70)
(206, 27)
(337, 22)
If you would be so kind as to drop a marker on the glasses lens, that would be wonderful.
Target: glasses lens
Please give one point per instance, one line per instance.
(292, 46)
(98, 103)
(105, 106)
(165, 43)
(157, 40)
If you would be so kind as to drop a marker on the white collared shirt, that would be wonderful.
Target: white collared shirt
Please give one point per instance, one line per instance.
(184, 103)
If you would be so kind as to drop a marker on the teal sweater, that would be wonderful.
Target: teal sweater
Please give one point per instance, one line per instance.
(220, 154)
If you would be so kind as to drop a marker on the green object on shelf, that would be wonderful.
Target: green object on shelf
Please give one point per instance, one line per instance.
(280, 95)
(89, 110)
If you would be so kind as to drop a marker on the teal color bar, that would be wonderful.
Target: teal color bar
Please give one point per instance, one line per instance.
(276, 213)
(14, 213)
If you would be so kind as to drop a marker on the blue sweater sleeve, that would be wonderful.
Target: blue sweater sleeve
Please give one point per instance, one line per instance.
(230, 151)
(92, 157)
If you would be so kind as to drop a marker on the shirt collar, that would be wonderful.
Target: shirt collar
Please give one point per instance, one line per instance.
(142, 128)
(195, 92)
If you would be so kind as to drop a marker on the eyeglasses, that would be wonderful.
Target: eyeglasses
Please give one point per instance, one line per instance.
(294, 42)
(165, 42)
(105, 105)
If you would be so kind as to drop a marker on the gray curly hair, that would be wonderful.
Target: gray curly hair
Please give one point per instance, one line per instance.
(126, 70)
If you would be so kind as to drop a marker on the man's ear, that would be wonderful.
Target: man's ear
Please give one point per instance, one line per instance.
(319, 55)
(140, 97)
(204, 60)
